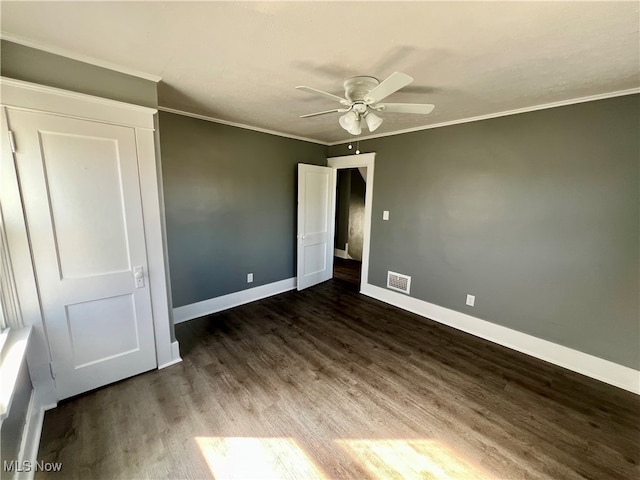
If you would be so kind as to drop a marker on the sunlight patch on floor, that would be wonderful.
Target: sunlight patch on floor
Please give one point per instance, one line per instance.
(241, 458)
(411, 459)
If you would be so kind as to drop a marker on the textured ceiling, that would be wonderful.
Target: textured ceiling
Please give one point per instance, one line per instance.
(240, 61)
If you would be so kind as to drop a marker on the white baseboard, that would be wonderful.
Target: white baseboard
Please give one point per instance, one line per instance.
(341, 253)
(31, 435)
(589, 365)
(175, 356)
(213, 305)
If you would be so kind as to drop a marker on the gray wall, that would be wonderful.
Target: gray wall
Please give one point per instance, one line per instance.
(31, 65)
(536, 214)
(350, 191)
(230, 199)
(13, 425)
(356, 215)
(343, 193)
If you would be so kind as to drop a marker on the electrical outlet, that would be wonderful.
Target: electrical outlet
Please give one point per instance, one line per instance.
(249, 277)
(471, 300)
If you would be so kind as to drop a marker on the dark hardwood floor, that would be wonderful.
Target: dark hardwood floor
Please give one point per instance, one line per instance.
(326, 383)
(346, 273)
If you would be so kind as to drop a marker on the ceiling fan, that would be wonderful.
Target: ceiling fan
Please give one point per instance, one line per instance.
(362, 98)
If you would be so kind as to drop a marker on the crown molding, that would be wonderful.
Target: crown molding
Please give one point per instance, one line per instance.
(505, 113)
(240, 125)
(81, 58)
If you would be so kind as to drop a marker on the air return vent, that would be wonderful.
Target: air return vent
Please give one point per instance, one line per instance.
(399, 282)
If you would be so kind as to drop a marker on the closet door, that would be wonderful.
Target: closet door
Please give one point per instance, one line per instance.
(81, 194)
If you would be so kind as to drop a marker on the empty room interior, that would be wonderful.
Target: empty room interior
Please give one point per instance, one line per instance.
(320, 240)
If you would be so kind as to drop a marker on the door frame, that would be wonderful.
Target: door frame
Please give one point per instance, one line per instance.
(49, 100)
(354, 161)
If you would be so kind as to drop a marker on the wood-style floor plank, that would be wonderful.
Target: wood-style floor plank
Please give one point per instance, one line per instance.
(327, 383)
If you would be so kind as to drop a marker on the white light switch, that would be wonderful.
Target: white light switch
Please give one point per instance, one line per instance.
(249, 277)
(385, 215)
(471, 300)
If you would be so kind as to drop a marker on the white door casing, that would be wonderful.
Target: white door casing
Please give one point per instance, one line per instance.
(316, 212)
(81, 194)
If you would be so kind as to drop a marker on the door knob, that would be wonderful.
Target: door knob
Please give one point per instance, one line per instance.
(138, 274)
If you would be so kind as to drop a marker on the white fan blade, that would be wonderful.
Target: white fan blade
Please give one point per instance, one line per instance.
(422, 108)
(323, 113)
(392, 84)
(344, 101)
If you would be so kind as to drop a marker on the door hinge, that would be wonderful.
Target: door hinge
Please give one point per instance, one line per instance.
(53, 370)
(12, 142)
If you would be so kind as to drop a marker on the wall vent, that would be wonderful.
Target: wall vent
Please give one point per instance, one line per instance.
(399, 282)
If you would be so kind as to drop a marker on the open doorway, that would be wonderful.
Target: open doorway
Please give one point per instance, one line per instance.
(349, 224)
(354, 195)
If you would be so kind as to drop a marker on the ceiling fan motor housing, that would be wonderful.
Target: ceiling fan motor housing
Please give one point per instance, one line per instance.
(356, 88)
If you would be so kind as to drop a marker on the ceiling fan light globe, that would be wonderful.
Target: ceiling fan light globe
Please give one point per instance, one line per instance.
(356, 129)
(373, 121)
(344, 123)
(348, 120)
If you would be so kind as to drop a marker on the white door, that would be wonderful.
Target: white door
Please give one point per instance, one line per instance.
(316, 208)
(81, 195)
